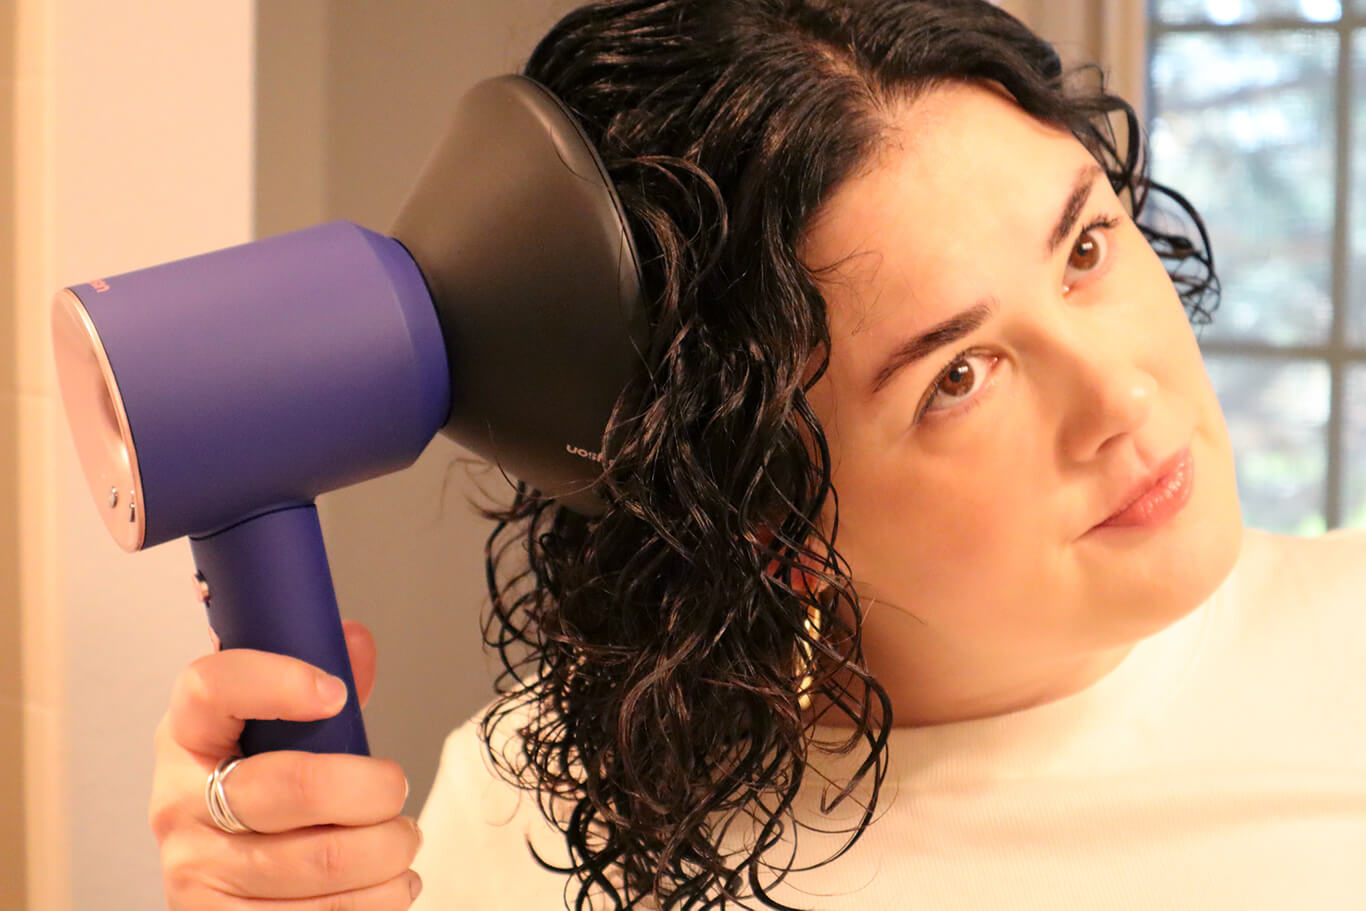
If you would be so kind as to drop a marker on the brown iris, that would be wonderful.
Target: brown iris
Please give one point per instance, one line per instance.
(1086, 254)
(957, 381)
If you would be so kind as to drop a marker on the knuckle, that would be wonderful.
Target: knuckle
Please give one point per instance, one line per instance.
(308, 782)
(176, 882)
(396, 783)
(414, 848)
(341, 902)
(161, 819)
(195, 897)
(178, 874)
(330, 856)
(195, 684)
(376, 897)
(161, 737)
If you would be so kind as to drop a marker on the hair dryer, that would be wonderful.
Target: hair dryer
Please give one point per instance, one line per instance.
(217, 396)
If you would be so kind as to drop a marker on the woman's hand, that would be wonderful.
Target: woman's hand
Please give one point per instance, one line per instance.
(328, 824)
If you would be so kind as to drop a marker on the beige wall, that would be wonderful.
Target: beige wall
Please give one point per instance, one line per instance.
(133, 146)
(12, 851)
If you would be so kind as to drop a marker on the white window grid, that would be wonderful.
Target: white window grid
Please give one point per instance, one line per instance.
(1336, 352)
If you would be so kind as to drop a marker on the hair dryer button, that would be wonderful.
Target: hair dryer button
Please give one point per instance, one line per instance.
(113, 497)
(201, 588)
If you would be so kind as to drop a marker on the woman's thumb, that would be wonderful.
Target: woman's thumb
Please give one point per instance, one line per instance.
(360, 645)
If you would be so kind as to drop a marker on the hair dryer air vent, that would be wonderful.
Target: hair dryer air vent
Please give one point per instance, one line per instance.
(99, 423)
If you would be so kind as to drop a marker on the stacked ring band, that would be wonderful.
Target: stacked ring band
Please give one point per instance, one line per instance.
(217, 799)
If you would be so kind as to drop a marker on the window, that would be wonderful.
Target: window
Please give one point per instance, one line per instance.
(1258, 115)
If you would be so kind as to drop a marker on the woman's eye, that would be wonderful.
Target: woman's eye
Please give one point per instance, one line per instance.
(959, 381)
(1087, 254)
(1090, 251)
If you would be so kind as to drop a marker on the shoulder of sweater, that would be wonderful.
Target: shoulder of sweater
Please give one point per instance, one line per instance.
(1341, 552)
(466, 755)
(1289, 575)
(481, 828)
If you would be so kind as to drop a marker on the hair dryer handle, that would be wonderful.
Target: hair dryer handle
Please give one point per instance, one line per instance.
(269, 588)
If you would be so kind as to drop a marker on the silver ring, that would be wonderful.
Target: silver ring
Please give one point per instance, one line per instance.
(217, 799)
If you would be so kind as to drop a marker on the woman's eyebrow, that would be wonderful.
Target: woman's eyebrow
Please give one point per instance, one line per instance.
(1076, 201)
(947, 332)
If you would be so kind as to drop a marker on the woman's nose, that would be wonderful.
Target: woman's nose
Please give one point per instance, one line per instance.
(1109, 398)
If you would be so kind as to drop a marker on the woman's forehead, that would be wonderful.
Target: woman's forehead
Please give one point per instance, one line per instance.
(963, 169)
(967, 189)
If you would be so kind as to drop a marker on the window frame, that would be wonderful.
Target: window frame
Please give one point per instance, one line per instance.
(1336, 352)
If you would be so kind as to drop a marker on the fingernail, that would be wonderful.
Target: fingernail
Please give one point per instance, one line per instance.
(414, 886)
(332, 690)
(405, 790)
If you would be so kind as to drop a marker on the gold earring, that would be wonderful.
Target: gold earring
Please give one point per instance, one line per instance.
(802, 654)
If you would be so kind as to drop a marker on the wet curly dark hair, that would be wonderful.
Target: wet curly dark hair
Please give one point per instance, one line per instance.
(648, 652)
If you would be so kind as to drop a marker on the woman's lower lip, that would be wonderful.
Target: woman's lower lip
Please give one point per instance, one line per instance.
(1166, 498)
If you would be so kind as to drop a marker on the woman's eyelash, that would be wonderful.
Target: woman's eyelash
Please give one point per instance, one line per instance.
(1101, 221)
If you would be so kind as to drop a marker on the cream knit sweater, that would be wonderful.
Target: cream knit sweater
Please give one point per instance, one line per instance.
(1221, 765)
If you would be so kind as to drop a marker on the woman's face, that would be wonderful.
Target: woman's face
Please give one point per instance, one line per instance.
(969, 499)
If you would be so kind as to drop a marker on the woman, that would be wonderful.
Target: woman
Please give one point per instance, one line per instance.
(928, 470)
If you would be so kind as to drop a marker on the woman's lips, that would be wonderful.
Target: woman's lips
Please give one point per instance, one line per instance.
(1163, 499)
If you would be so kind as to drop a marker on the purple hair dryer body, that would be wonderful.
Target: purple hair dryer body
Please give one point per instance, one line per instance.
(217, 396)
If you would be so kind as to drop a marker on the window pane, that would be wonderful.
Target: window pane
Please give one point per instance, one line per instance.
(1243, 126)
(1354, 455)
(1277, 414)
(1224, 12)
(1356, 297)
